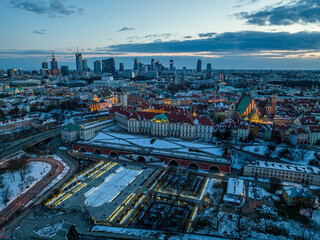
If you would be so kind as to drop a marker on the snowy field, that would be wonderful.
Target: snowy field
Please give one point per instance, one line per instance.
(286, 154)
(132, 140)
(16, 186)
(147, 142)
(111, 187)
(262, 150)
(49, 231)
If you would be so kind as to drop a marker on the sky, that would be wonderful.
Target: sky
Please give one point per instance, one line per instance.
(229, 34)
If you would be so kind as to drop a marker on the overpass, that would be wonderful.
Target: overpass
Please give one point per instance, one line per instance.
(26, 143)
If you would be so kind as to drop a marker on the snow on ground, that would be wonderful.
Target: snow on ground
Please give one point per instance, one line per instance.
(262, 150)
(194, 144)
(258, 193)
(292, 155)
(151, 233)
(237, 159)
(36, 171)
(316, 216)
(147, 142)
(170, 143)
(122, 135)
(101, 136)
(111, 187)
(215, 151)
(115, 141)
(49, 231)
(284, 153)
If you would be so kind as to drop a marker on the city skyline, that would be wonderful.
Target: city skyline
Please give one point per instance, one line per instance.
(235, 34)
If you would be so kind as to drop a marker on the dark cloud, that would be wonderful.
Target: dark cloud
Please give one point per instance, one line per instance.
(40, 32)
(125, 29)
(51, 8)
(187, 37)
(301, 11)
(206, 35)
(245, 41)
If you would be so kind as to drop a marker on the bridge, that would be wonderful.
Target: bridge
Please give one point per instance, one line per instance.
(26, 143)
(191, 160)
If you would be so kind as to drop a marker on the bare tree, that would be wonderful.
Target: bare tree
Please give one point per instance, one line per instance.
(218, 214)
(22, 168)
(241, 222)
(306, 231)
(6, 194)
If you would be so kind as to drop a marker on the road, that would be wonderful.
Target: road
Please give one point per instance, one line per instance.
(28, 142)
(25, 212)
(21, 201)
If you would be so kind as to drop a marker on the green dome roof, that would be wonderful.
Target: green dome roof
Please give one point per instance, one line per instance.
(160, 117)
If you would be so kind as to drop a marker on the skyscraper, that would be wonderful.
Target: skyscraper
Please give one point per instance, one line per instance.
(199, 65)
(64, 70)
(54, 65)
(171, 65)
(97, 67)
(11, 73)
(112, 65)
(157, 65)
(45, 65)
(152, 64)
(121, 67)
(109, 65)
(84, 65)
(136, 64)
(104, 66)
(209, 69)
(20, 72)
(79, 62)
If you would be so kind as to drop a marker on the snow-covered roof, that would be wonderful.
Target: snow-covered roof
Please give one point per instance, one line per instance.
(286, 167)
(235, 187)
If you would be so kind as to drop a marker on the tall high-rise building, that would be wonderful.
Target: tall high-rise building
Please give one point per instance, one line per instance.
(44, 71)
(97, 67)
(136, 64)
(112, 65)
(64, 70)
(121, 67)
(141, 66)
(152, 64)
(109, 65)
(157, 64)
(11, 73)
(104, 66)
(209, 70)
(79, 62)
(54, 65)
(84, 65)
(171, 65)
(199, 65)
(20, 72)
(45, 65)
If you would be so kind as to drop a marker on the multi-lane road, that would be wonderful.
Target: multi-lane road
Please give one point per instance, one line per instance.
(12, 215)
(56, 169)
(28, 142)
